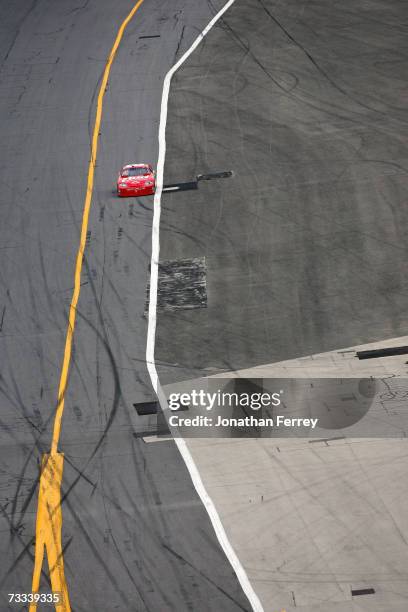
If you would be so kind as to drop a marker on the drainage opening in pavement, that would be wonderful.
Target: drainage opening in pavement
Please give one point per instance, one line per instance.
(181, 285)
(180, 186)
(355, 592)
(143, 408)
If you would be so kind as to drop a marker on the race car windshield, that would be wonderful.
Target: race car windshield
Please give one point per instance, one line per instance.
(135, 172)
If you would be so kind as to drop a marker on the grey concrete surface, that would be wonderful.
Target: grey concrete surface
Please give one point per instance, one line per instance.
(311, 522)
(306, 246)
(135, 535)
(312, 519)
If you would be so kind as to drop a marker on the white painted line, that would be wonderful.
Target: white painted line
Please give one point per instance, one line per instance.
(170, 188)
(151, 330)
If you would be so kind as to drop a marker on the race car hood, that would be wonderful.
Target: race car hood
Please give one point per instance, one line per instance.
(135, 181)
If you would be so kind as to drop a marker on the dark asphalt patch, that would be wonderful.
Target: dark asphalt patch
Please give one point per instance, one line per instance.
(150, 36)
(214, 175)
(181, 285)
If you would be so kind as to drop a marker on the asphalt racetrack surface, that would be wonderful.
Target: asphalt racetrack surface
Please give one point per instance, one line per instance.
(135, 535)
(306, 245)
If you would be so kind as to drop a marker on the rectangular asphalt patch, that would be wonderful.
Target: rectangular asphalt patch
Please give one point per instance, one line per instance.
(181, 285)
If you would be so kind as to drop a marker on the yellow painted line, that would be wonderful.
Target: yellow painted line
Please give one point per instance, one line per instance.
(49, 515)
(48, 530)
(80, 256)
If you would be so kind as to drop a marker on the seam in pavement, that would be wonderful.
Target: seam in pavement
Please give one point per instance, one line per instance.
(152, 320)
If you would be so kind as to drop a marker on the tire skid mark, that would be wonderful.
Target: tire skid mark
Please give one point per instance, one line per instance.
(184, 561)
(49, 515)
(152, 322)
(13, 42)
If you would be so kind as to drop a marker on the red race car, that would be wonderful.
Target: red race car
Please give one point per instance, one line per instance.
(136, 180)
